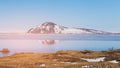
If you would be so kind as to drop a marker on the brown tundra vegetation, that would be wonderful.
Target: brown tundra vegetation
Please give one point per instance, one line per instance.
(61, 59)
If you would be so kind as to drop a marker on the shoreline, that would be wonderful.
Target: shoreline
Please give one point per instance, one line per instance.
(63, 59)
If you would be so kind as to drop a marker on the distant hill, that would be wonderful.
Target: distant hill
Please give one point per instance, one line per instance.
(52, 28)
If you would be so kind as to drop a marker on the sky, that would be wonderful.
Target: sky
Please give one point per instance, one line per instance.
(20, 15)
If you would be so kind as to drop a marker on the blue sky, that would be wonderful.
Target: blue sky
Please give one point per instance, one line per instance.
(20, 15)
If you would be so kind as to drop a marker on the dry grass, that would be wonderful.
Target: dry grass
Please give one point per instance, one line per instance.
(60, 59)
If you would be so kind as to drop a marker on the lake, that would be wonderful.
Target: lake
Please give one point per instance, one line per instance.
(51, 43)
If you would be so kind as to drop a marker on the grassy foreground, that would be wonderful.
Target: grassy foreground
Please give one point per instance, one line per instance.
(61, 59)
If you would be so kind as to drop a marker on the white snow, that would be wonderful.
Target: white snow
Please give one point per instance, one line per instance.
(113, 61)
(85, 66)
(69, 62)
(94, 60)
(57, 29)
(73, 30)
(48, 27)
(100, 59)
(69, 30)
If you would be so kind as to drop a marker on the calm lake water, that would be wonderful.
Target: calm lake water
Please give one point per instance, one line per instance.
(40, 43)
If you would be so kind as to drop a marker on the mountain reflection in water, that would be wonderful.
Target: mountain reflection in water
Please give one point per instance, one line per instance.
(48, 45)
(48, 42)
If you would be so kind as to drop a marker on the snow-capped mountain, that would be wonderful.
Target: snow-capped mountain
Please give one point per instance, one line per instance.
(52, 28)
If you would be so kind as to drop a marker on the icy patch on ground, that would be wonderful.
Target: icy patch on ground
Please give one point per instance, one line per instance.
(101, 59)
(94, 60)
(113, 61)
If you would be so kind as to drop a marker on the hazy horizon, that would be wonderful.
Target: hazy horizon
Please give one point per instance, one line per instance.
(20, 15)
